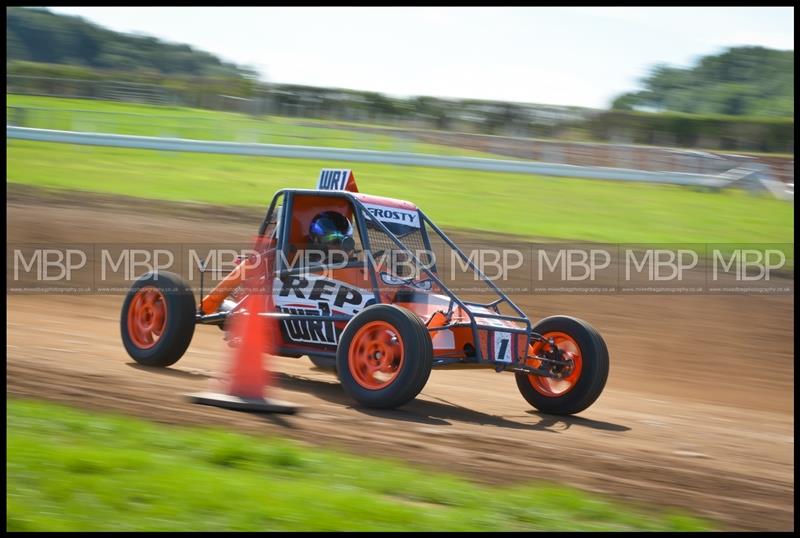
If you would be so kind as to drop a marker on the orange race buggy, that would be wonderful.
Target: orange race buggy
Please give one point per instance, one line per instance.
(379, 313)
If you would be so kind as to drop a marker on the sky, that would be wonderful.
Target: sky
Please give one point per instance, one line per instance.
(581, 56)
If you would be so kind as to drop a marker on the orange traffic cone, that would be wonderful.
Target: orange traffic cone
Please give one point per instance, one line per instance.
(246, 376)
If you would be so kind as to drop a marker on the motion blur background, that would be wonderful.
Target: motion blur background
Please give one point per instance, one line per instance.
(697, 414)
(581, 79)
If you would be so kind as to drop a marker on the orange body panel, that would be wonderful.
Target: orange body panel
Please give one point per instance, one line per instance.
(213, 300)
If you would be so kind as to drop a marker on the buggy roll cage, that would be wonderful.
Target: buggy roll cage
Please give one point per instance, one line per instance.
(360, 210)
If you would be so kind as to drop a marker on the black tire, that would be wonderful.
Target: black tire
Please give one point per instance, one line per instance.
(179, 324)
(324, 363)
(594, 369)
(417, 357)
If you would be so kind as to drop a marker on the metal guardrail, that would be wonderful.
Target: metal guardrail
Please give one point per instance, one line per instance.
(237, 128)
(746, 175)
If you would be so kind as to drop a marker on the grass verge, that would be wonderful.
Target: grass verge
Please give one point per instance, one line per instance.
(70, 470)
(171, 121)
(525, 205)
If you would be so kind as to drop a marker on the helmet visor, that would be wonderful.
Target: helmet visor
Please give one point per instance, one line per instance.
(327, 231)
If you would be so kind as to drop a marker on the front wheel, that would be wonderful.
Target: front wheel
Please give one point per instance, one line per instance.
(384, 357)
(158, 319)
(581, 381)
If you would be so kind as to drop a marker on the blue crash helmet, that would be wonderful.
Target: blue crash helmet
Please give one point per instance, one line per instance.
(330, 229)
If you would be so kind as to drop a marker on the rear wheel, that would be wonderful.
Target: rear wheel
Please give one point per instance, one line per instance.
(158, 319)
(384, 357)
(581, 381)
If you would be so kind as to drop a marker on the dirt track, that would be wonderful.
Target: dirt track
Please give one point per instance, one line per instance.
(697, 412)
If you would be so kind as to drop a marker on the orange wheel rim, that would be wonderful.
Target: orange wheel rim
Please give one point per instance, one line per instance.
(147, 317)
(551, 386)
(376, 355)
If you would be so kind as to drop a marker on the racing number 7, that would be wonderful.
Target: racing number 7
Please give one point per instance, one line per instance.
(501, 344)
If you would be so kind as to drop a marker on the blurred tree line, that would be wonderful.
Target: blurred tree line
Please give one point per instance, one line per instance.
(50, 54)
(742, 81)
(37, 35)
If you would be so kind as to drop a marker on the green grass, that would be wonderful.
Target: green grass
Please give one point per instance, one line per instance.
(68, 470)
(198, 124)
(526, 205)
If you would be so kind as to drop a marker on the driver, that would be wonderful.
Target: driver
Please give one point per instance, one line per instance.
(332, 234)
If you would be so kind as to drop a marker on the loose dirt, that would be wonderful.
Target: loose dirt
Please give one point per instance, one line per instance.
(697, 412)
